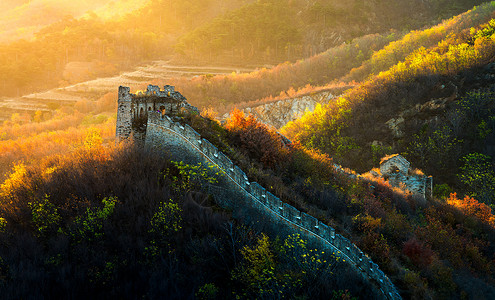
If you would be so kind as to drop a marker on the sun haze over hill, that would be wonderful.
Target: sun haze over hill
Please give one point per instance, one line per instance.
(22, 18)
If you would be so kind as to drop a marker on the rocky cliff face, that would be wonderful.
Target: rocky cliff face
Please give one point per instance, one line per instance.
(281, 112)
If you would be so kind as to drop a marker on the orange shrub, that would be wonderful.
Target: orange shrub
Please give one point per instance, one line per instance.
(376, 245)
(29, 148)
(256, 139)
(473, 208)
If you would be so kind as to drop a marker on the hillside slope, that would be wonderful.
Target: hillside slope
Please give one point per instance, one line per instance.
(434, 107)
(336, 66)
(22, 18)
(279, 30)
(147, 232)
(57, 205)
(425, 247)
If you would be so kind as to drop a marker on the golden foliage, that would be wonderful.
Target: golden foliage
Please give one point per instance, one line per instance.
(33, 141)
(14, 180)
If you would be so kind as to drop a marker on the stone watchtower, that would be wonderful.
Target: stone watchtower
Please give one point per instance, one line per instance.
(133, 109)
(396, 169)
(394, 164)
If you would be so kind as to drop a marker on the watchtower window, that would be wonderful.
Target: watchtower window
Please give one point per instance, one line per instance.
(141, 111)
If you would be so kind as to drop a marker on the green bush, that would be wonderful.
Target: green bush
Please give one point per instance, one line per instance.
(45, 215)
(89, 227)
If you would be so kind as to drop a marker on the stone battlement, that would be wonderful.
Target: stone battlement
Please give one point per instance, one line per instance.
(163, 127)
(133, 109)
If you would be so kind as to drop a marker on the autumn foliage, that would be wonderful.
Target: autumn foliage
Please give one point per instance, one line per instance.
(473, 207)
(256, 139)
(409, 77)
(419, 253)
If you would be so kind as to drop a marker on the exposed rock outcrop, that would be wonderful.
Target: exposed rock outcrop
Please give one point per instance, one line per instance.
(281, 112)
(394, 125)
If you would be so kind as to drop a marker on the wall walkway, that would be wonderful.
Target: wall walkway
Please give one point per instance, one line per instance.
(185, 142)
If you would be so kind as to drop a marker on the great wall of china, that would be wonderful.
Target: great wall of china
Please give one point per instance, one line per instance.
(183, 142)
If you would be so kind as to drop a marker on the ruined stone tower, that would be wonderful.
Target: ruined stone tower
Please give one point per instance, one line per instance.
(133, 109)
(396, 169)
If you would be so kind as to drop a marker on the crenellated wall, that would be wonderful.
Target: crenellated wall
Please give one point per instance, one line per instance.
(185, 143)
(133, 109)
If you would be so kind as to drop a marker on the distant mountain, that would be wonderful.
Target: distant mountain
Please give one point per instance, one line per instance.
(69, 33)
(21, 18)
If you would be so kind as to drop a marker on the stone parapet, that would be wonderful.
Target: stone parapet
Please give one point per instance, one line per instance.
(298, 220)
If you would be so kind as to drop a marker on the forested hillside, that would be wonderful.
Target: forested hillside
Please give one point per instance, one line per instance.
(75, 195)
(279, 30)
(286, 79)
(116, 221)
(236, 32)
(342, 65)
(102, 46)
(85, 222)
(433, 106)
(22, 18)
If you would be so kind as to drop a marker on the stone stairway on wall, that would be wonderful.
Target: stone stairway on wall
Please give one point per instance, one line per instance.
(162, 132)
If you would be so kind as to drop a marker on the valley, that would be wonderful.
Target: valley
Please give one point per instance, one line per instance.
(138, 78)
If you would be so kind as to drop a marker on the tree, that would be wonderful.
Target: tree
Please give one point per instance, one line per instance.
(477, 173)
(256, 139)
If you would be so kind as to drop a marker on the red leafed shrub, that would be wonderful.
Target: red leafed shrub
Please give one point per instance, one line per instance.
(420, 254)
(256, 139)
(442, 238)
(375, 244)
